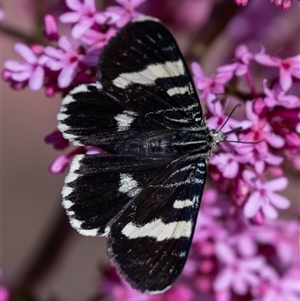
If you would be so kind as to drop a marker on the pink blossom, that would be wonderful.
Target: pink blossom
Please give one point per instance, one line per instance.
(126, 12)
(285, 4)
(227, 164)
(261, 129)
(4, 293)
(61, 163)
(83, 15)
(240, 274)
(263, 196)
(281, 235)
(58, 141)
(96, 39)
(288, 68)
(30, 71)
(278, 97)
(64, 59)
(277, 288)
(293, 139)
(258, 155)
(240, 67)
(51, 31)
(298, 124)
(209, 85)
(241, 2)
(219, 118)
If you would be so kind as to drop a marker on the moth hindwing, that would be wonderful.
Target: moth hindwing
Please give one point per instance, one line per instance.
(144, 194)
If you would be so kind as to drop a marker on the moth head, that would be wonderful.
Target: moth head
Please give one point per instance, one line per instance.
(217, 137)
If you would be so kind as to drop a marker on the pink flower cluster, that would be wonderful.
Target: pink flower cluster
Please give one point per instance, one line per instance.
(284, 4)
(71, 60)
(270, 130)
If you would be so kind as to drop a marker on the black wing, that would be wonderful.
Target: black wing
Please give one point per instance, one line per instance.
(149, 240)
(145, 86)
(98, 187)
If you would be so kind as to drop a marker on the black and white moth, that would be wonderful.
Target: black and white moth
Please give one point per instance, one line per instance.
(144, 194)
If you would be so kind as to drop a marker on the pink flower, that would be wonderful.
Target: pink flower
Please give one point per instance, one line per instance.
(240, 67)
(61, 163)
(264, 197)
(283, 236)
(84, 15)
(241, 2)
(261, 129)
(288, 68)
(278, 97)
(258, 155)
(56, 138)
(285, 4)
(4, 293)
(209, 85)
(240, 274)
(51, 32)
(31, 71)
(227, 164)
(97, 40)
(219, 118)
(64, 59)
(286, 288)
(126, 12)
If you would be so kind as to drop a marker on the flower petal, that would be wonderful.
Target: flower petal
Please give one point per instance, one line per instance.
(25, 52)
(274, 140)
(285, 80)
(252, 205)
(36, 79)
(269, 211)
(21, 76)
(70, 17)
(278, 200)
(15, 66)
(277, 184)
(223, 280)
(239, 286)
(74, 4)
(80, 28)
(266, 59)
(67, 74)
(249, 177)
(225, 253)
(90, 5)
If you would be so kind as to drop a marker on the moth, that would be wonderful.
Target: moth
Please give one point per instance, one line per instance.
(144, 194)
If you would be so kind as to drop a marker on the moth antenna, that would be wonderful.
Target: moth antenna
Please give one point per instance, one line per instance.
(238, 129)
(238, 105)
(246, 142)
